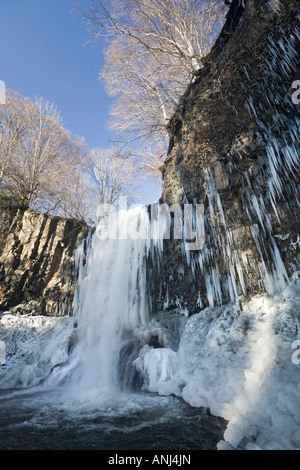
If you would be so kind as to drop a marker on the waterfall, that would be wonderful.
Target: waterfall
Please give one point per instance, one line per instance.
(111, 295)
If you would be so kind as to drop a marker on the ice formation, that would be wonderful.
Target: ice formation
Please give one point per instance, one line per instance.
(241, 363)
(33, 346)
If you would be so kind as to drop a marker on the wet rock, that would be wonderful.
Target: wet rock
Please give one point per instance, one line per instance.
(37, 264)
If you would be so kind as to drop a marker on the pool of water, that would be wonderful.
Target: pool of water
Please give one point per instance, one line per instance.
(43, 419)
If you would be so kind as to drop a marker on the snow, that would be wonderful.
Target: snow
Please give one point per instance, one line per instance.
(31, 347)
(243, 365)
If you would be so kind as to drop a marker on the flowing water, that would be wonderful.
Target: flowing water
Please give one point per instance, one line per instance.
(42, 420)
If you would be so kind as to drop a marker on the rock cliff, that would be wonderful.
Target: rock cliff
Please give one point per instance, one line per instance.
(234, 147)
(37, 261)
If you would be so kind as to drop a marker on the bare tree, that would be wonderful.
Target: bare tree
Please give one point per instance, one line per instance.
(44, 167)
(154, 49)
(112, 175)
(12, 131)
(38, 157)
(77, 196)
(97, 183)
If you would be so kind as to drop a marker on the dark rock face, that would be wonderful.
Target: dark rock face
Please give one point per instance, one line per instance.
(234, 147)
(37, 261)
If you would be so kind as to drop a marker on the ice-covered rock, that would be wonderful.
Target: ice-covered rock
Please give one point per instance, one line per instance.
(157, 366)
(34, 345)
(240, 364)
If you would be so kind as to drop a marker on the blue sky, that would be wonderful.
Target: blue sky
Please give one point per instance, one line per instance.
(43, 53)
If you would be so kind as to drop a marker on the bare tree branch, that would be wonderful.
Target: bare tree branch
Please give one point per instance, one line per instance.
(153, 50)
